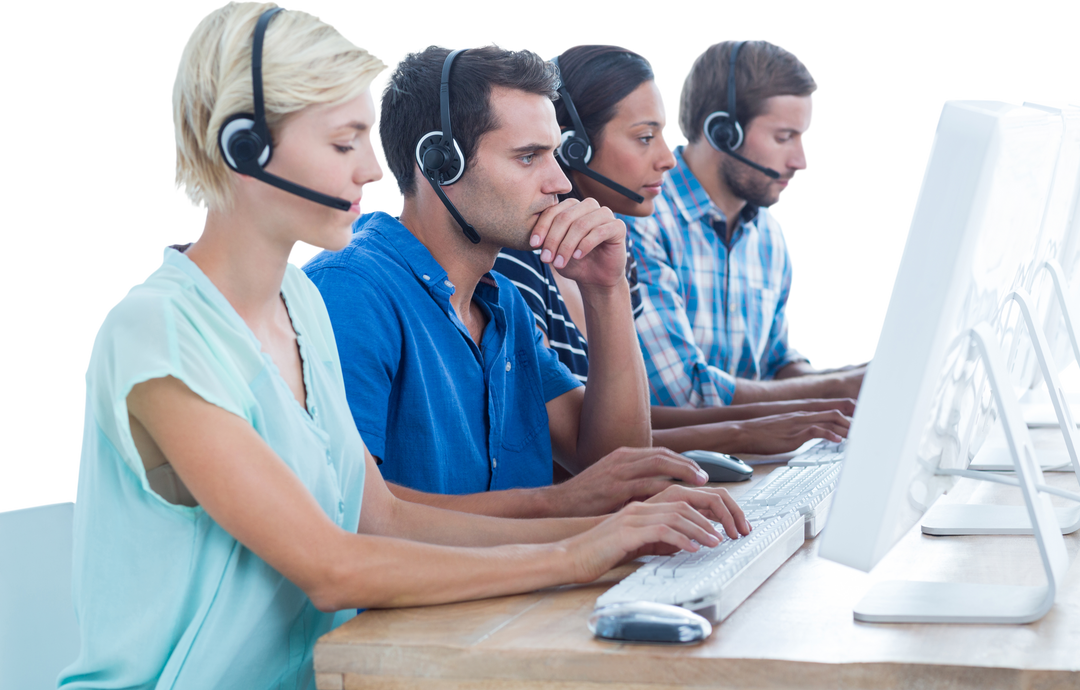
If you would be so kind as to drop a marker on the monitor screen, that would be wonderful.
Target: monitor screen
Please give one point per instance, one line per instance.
(923, 404)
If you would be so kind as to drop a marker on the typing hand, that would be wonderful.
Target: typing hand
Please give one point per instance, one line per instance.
(622, 476)
(583, 241)
(712, 502)
(637, 530)
(785, 432)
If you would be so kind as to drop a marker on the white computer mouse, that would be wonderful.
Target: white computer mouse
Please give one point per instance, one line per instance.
(645, 621)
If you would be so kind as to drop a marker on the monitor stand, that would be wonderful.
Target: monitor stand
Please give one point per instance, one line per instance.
(1039, 413)
(951, 602)
(955, 520)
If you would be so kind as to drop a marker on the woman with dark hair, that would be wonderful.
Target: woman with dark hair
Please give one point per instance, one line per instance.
(620, 159)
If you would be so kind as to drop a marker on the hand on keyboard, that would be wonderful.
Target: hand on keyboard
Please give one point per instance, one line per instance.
(783, 433)
(622, 476)
(714, 503)
(639, 529)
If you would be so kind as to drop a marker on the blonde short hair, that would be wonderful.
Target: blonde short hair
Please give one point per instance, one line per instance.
(305, 62)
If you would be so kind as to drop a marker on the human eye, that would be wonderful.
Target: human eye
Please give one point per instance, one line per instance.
(343, 149)
(646, 139)
(527, 159)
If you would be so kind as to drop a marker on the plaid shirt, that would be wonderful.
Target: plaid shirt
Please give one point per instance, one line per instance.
(712, 312)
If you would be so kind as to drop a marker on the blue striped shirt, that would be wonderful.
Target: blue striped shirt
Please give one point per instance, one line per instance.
(711, 312)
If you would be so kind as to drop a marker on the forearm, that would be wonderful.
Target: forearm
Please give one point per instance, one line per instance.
(800, 368)
(511, 503)
(723, 437)
(381, 572)
(615, 410)
(420, 522)
(810, 386)
(672, 417)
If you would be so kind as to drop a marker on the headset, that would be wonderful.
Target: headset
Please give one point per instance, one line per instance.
(575, 151)
(244, 139)
(722, 129)
(439, 156)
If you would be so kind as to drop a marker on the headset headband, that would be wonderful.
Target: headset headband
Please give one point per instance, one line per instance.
(731, 105)
(259, 125)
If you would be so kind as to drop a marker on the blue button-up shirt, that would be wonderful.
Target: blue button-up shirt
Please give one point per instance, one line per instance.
(442, 413)
(713, 312)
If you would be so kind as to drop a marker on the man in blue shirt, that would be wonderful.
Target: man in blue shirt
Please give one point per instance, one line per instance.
(447, 377)
(713, 265)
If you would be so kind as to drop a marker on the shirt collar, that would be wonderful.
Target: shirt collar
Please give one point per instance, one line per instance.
(691, 198)
(428, 271)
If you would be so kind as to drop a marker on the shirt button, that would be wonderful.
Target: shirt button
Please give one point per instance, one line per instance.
(494, 462)
(508, 365)
(341, 506)
(328, 460)
(427, 277)
(448, 284)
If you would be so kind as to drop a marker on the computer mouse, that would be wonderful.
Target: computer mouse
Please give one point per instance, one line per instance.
(720, 467)
(645, 621)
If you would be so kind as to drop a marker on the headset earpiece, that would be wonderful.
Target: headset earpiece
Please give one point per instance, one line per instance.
(241, 146)
(723, 132)
(244, 139)
(438, 155)
(574, 150)
(722, 129)
(437, 160)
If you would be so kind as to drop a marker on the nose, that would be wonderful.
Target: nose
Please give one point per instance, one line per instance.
(666, 159)
(555, 180)
(797, 159)
(367, 166)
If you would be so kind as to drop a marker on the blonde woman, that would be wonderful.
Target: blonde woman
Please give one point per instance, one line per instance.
(227, 506)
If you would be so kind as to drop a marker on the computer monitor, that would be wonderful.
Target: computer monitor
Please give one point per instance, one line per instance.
(976, 222)
(1048, 247)
(1046, 286)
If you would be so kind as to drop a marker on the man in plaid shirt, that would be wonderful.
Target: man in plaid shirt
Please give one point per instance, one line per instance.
(713, 265)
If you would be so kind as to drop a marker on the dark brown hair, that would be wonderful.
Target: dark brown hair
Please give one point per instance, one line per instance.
(597, 78)
(761, 72)
(410, 103)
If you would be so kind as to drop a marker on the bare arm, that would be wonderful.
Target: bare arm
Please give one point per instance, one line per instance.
(586, 243)
(603, 487)
(246, 488)
(761, 436)
(800, 368)
(837, 385)
(673, 417)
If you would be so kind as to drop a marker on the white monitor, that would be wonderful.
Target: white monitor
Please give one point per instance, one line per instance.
(975, 225)
(1057, 230)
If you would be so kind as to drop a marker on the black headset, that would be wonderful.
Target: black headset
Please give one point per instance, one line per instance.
(575, 151)
(244, 139)
(722, 129)
(439, 156)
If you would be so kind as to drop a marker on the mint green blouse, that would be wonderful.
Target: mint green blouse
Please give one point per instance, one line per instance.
(165, 597)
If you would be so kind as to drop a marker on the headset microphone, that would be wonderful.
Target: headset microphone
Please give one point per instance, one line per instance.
(439, 156)
(722, 129)
(575, 151)
(245, 141)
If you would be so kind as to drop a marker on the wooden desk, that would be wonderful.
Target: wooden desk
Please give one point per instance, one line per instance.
(796, 631)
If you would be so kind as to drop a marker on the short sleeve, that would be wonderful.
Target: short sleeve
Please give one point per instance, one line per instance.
(153, 334)
(554, 376)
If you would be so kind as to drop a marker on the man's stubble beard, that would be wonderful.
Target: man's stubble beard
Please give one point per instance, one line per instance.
(746, 183)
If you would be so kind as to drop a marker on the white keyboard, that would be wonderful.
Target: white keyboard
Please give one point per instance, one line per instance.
(713, 581)
(786, 508)
(803, 489)
(824, 453)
